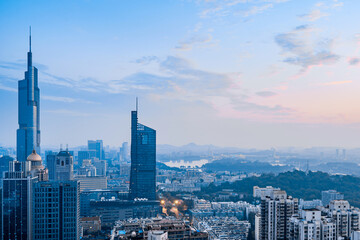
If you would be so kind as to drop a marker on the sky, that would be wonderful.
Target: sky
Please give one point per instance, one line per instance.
(241, 73)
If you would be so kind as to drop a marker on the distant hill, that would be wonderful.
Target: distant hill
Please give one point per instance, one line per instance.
(297, 184)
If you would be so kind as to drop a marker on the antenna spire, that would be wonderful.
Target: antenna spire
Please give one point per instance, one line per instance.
(30, 40)
(137, 103)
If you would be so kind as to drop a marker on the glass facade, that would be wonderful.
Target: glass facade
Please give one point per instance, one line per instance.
(56, 210)
(28, 134)
(16, 207)
(143, 160)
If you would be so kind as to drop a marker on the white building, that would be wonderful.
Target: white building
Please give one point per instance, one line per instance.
(157, 235)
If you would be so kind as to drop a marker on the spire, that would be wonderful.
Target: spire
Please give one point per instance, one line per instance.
(137, 103)
(30, 40)
(29, 53)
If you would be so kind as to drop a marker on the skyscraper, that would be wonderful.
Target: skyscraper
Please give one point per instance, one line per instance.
(28, 134)
(143, 160)
(276, 210)
(96, 146)
(56, 210)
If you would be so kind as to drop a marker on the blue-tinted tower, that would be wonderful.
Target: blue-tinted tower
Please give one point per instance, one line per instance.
(28, 134)
(143, 160)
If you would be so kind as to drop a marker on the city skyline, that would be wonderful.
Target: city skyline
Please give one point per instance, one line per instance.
(211, 73)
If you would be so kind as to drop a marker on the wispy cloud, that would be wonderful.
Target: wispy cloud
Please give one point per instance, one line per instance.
(313, 15)
(300, 48)
(66, 99)
(266, 94)
(5, 88)
(354, 61)
(336, 83)
(222, 8)
(147, 60)
(257, 9)
(193, 41)
(67, 112)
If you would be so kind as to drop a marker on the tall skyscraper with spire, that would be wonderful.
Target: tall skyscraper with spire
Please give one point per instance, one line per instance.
(143, 160)
(28, 134)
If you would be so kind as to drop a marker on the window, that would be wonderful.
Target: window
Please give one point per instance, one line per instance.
(144, 139)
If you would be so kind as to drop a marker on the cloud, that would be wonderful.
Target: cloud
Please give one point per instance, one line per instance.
(5, 88)
(266, 94)
(65, 99)
(257, 9)
(21, 64)
(300, 48)
(313, 15)
(66, 112)
(336, 83)
(354, 61)
(222, 8)
(147, 59)
(194, 40)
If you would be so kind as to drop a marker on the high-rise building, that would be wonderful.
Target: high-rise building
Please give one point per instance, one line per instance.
(143, 160)
(124, 151)
(17, 196)
(310, 225)
(16, 202)
(330, 195)
(96, 146)
(61, 166)
(83, 155)
(276, 211)
(28, 134)
(56, 210)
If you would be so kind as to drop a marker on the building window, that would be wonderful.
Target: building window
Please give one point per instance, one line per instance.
(144, 139)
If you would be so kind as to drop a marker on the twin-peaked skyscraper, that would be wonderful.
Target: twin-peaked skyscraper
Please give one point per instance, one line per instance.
(28, 134)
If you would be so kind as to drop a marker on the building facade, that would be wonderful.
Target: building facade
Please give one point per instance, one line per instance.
(143, 160)
(61, 166)
(97, 147)
(16, 202)
(276, 211)
(330, 195)
(28, 133)
(56, 210)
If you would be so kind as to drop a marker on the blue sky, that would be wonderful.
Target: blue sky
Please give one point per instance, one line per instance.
(246, 73)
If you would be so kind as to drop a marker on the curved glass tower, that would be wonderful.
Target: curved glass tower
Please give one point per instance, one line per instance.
(28, 134)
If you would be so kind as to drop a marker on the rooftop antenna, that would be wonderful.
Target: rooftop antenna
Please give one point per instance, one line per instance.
(67, 147)
(60, 147)
(137, 103)
(30, 40)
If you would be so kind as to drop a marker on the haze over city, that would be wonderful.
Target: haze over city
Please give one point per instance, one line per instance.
(250, 74)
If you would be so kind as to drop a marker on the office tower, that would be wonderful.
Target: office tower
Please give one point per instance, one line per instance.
(124, 151)
(83, 155)
(62, 166)
(92, 182)
(51, 164)
(16, 202)
(28, 134)
(97, 146)
(143, 160)
(100, 166)
(56, 210)
(276, 211)
(330, 195)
